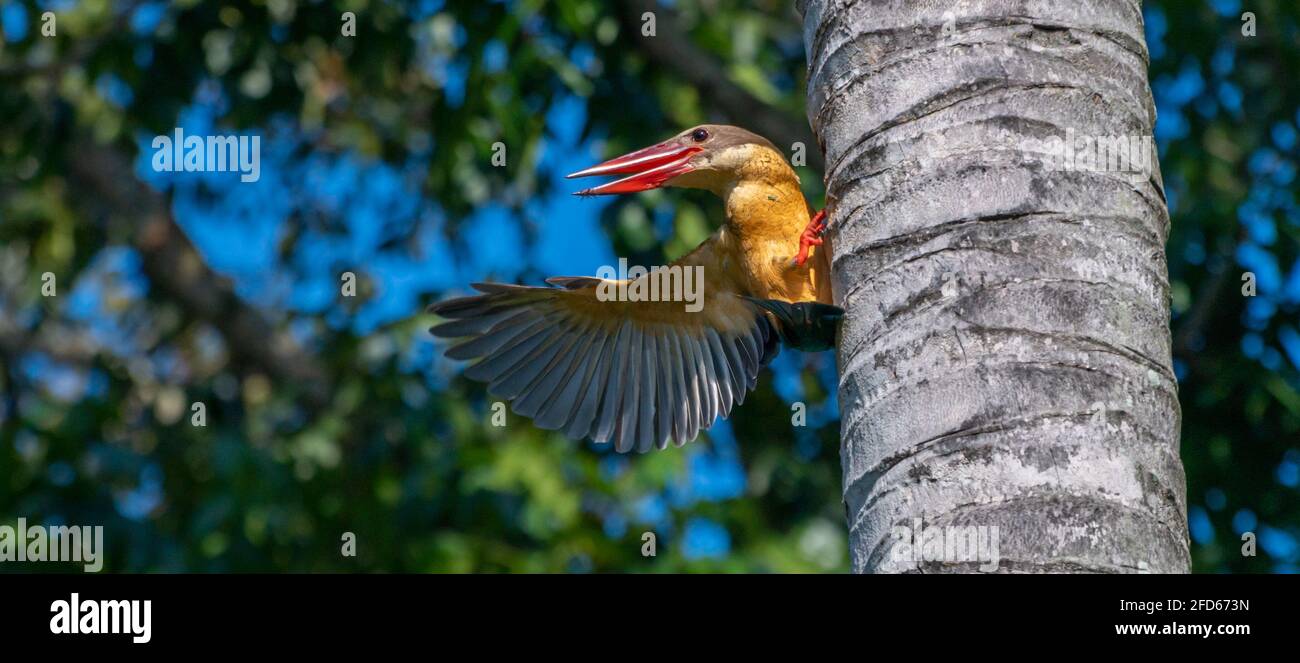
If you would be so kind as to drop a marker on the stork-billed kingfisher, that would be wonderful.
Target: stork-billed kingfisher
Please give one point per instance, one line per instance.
(643, 373)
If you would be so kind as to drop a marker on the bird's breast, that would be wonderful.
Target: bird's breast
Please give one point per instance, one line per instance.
(764, 222)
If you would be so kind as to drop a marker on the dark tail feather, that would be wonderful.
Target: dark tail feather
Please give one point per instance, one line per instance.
(804, 326)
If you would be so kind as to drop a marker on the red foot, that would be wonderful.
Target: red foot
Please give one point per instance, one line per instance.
(812, 236)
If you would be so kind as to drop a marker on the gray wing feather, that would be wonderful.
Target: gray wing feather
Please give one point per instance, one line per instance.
(691, 363)
(669, 395)
(543, 388)
(690, 391)
(722, 371)
(474, 326)
(611, 399)
(646, 415)
(638, 385)
(495, 338)
(532, 365)
(585, 413)
(627, 421)
(563, 401)
(701, 382)
(508, 355)
(736, 364)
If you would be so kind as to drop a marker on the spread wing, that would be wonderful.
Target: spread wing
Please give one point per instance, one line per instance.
(637, 374)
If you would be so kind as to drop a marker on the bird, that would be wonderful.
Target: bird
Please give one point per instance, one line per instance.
(595, 357)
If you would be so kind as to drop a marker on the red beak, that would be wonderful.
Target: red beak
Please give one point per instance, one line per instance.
(650, 168)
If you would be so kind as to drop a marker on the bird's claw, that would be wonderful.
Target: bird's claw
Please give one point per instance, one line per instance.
(811, 236)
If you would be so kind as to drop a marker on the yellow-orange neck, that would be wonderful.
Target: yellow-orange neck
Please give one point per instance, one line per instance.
(766, 213)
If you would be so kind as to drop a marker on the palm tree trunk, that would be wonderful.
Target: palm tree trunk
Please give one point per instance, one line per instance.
(1005, 361)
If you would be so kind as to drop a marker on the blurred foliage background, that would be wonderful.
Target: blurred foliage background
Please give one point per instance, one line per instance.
(328, 414)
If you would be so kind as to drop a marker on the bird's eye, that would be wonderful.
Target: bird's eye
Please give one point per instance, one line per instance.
(700, 135)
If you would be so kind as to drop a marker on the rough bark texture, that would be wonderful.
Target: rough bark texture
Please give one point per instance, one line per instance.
(1006, 356)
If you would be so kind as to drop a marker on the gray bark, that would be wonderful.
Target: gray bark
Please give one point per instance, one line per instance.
(1005, 360)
